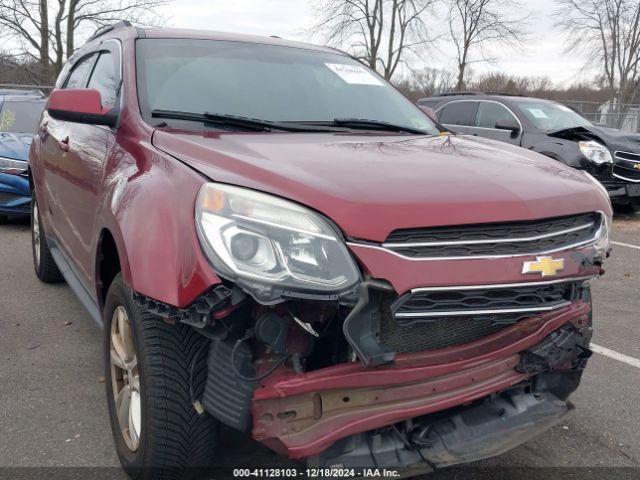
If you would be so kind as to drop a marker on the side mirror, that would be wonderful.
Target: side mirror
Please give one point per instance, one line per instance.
(430, 113)
(81, 105)
(514, 128)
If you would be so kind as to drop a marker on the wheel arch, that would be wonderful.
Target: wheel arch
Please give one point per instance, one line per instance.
(110, 260)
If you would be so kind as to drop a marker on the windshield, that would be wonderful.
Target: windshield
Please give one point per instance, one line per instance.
(20, 116)
(266, 82)
(551, 116)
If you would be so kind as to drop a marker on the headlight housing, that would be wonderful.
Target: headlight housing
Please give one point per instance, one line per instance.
(270, 246)
(596, 152)
(9, 165)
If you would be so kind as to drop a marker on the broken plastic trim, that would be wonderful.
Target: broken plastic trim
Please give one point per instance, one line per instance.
(361, 328)
(473, 433)
(198, 314)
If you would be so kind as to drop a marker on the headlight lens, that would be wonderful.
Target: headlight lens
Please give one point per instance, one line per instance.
(269, 245)
(595, 152)
(9, 165)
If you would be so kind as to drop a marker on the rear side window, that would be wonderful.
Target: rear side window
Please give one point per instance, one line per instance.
(106, 79)
(489, 113)
(78, 76)
(458, 113)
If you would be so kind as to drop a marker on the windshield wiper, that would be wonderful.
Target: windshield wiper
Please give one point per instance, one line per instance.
(224, 119)
(375, 124)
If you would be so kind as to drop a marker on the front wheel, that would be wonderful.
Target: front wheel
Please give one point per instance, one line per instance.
(157, 432)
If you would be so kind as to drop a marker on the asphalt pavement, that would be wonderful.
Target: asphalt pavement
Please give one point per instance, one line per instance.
(53, 410)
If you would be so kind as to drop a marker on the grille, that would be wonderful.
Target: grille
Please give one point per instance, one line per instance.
(446, 332)
(625, 166)
(489, 239)
(628, 156)
(436, 302)
(437, 318)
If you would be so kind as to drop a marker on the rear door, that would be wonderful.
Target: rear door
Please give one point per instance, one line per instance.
(459, 115)
(76, 172)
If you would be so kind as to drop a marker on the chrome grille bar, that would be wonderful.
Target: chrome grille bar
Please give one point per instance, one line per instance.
(461, 313)
(498, 240)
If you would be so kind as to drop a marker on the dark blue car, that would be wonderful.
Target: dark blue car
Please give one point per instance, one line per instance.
(19, 116)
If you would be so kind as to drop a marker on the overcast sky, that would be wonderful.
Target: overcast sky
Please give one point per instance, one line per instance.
(290, 19)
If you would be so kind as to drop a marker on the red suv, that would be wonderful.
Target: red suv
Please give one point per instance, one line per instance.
(275, 240)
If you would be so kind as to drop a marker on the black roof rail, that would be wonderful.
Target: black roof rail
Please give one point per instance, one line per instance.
(110, 28)
(505, 94)
(453, 94)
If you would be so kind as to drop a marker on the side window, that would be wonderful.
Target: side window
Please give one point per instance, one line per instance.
(106, 79)
(489, 113)
(78, 76)
(458, 113)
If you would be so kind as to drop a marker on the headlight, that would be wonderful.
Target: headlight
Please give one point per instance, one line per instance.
(9, 165)
(603, 242)
(595, 152)
(269, 245)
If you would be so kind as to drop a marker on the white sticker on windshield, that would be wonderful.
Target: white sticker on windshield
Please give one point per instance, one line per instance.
(536, 112)
(354, 74)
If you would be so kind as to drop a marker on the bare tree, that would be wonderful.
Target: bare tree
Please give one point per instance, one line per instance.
(426, 83)
(46, 30)
(475, 24)
(609, 32)
(379, 32)
(100, 13)
(504, 83)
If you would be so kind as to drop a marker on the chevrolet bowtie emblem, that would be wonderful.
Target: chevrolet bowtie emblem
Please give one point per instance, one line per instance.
(547, 266)
(636, 166)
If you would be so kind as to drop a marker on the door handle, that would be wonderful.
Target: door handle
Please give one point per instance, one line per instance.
(64, 144)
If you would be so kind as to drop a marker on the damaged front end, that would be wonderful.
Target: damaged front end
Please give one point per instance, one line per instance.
(415, 369)
(315, 380)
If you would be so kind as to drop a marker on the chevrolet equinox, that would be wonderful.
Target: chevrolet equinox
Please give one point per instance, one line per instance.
(274, 240)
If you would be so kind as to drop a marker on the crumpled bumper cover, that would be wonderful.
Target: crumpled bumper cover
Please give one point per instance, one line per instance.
(303, 415)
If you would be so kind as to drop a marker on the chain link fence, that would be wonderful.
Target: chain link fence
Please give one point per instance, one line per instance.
(625, 117)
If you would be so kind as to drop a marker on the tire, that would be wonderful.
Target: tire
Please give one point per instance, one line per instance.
(44, 264)
(170, 440)
(3, 219)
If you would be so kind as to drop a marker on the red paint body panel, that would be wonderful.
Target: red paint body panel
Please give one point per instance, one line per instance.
(371, 185)
(415, 385)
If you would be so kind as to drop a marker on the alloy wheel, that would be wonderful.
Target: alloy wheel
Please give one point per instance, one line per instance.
(125, 378)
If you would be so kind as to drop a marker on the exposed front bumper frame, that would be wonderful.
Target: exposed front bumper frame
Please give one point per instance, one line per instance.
(302, 415)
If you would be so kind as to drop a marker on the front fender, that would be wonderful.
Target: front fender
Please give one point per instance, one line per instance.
(150, 211)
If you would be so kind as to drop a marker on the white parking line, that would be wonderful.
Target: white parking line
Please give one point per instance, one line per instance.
(626, 245)
(634, 362)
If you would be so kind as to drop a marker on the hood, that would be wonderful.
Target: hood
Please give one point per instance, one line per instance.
(613, 138)
(15, 145)
(371, 185)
